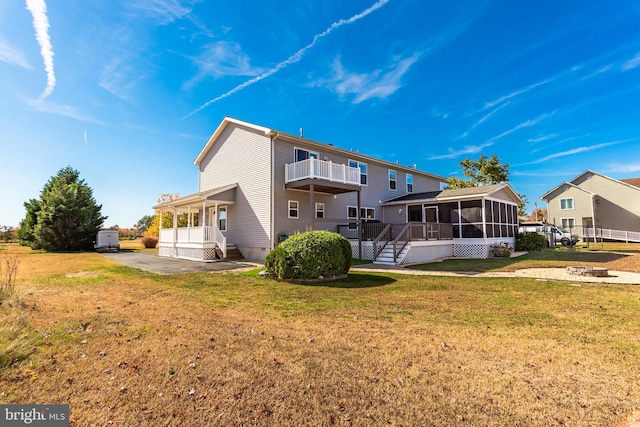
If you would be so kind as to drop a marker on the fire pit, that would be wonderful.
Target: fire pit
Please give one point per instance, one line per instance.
(588, 271)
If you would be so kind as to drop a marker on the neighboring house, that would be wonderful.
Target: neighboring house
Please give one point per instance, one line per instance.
(592, 199)
(257, 186)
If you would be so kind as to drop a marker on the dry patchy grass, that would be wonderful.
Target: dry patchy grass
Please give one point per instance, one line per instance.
(135, 348)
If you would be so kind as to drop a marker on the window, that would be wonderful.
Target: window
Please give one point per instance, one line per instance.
(301, 154)
(365, 213)
(319, 210)
(222, 218)
(409, 183)
(566, 204)
(393, 183)
(501, 219)
(363, 170)
(568, 223)
(293, 209)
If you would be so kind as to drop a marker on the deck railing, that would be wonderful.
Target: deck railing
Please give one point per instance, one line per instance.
(605, 233)
(197, 235)
(321, 169)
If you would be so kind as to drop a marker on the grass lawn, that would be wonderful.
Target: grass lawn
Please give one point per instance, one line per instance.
(134, 348)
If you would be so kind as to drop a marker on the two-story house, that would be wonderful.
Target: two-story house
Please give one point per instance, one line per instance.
(592, 200)
(257, 186)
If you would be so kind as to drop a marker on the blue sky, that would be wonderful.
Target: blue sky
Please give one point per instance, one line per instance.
(128, 92)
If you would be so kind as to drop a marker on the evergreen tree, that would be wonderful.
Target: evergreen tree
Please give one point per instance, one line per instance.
(66, 218)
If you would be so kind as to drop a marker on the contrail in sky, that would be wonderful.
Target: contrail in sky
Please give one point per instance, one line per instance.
(38, 9)
(295, 57)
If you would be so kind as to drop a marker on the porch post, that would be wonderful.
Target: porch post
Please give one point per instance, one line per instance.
(189, 224)
(484, 219)
(203, 222)
(313, 207)
(175, 232)
(359, 228)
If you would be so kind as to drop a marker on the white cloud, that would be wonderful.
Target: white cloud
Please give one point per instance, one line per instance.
(484, 119)
(223, 58)
(542, 138)
(44, 106)
(165, 11)
(377, 84)
(120, 77)
(296, 56)
(632, 63)
(577, 150)
(528, 123)
(468, 149)
(513, 94)
(38, 9)
(11, 56)
(623, 167)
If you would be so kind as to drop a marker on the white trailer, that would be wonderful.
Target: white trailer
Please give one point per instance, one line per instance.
(107, 240)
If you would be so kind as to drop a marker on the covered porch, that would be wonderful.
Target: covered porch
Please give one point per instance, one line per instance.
(202, 238)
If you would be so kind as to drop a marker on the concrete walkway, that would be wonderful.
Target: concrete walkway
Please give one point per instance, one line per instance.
(614, 277)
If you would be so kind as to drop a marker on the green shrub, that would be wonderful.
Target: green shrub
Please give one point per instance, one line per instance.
(149, 242)
(530, 242)
(310, 255)
(501, 250)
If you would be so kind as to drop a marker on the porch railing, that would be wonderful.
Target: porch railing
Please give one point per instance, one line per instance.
(321, 169)
(413, 231)
(198, 235)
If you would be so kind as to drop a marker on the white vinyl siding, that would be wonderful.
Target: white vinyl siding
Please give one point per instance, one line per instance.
(241, 155)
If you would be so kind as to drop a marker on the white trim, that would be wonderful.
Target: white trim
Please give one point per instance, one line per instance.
(573, 205)
(289, 209)
(394, 180)
(295, 153)
(409, 183)
(223, 208)
(319, 208)
(573, 219)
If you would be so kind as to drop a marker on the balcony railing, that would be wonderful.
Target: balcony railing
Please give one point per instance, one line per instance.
(321, 169)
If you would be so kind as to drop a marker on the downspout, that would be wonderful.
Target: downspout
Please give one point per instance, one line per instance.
(593, 216)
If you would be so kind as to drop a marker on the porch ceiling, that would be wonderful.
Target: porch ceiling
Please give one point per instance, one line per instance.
(322, 186)
(225, 195)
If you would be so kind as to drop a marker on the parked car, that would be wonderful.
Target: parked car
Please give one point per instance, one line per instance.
(553, 233)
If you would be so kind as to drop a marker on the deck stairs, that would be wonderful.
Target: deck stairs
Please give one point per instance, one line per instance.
(233, 253)
(386, 255)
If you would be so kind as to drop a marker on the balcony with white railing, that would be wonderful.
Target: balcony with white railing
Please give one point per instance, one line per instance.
(324, 170)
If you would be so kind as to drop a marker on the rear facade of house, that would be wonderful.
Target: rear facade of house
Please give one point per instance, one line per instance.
(257, 186)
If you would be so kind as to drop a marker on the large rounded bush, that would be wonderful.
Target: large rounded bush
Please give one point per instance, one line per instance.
(310, 255)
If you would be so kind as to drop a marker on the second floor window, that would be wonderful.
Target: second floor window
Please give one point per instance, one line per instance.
(363, 170)
(393, 182)
(566, 204)
(409, 183)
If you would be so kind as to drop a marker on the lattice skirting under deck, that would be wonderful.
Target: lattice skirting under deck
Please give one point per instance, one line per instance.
(419, 254)
(367, 250)
(469, 250)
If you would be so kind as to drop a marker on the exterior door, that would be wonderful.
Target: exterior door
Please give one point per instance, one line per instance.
(431, 214)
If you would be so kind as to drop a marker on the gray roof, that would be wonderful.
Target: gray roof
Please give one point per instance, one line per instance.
(452, 193)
